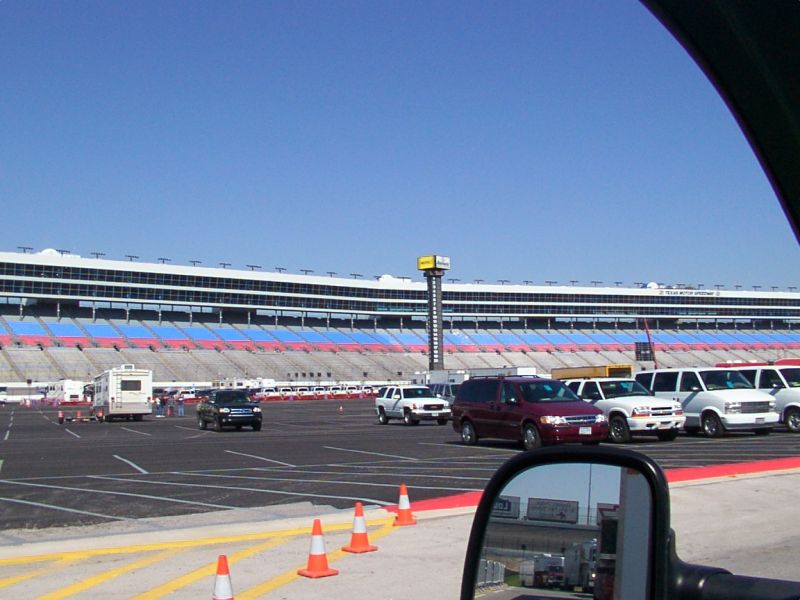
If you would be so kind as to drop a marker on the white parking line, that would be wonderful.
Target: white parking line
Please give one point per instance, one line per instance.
(336, 481)
(371, 453)
(72, 433)
(277, 462)
(465, 447)
(90, 491)
(6, 437)
(65, 509)
(134, 465)
(135, 431)
(246, 489)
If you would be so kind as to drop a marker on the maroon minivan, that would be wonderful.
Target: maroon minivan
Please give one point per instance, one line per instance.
(532, 410)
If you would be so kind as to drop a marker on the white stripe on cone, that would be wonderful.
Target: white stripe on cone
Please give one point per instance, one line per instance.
(317, 545)
(359, 525)
(404, 502)
(223, 590)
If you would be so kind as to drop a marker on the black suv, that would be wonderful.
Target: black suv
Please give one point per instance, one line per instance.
(228, 407)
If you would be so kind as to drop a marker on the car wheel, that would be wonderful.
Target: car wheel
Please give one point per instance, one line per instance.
(530, 437)
(409, 419)
(468, 435)
(792, 419)
(618, 430)
(201, 423)
(382, 418)
(217, 425)
(668, 435)
(711, 425)
(257, 426)
(441, 421)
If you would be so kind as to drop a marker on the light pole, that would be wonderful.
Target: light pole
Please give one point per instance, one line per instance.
(224, 265)
(97, 254)
(165, 260)
(356, 275)
(280, 269)
(194, 263)
(25, 249)
(254, 267)
(331, 273)
(306, 271)
(595, 282)
(551, 282)
(131, 257)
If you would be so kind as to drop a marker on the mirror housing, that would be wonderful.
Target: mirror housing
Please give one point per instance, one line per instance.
(659, 554)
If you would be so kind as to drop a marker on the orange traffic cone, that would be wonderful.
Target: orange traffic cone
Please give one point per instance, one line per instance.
(359, 541)
(317, 559)
(341, 409)
(223, 590)
(404, 516)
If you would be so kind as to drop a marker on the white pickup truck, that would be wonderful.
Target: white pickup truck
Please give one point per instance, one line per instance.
(630, 408)
(412, 403)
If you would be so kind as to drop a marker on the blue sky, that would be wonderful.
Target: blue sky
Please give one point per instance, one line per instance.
(568, 140)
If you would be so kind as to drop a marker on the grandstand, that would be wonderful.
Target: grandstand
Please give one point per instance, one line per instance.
(64, 316)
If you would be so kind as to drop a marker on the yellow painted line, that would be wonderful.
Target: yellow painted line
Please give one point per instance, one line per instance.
(48, 570)
(86, 584)
(231, 539)
(289, 576)
(207, 571)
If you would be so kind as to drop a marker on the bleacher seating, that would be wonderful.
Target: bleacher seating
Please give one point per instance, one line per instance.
(66, 333)
(137, 335)
(103, 334)
(29, 332)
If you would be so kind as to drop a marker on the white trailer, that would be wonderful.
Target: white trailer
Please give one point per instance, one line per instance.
(542, 571)
(580, 565)
(65, 391)
(123, 393)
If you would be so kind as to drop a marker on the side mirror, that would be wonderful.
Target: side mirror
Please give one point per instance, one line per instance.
(572, 519)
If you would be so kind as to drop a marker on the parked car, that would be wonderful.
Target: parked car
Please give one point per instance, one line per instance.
(446, 391)
(713, 399)
(228, 408)
(412, 403)
(630, 408)
(532, 410)
(783, 384)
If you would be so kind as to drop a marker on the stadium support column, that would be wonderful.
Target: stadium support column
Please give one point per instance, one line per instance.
(433, 267)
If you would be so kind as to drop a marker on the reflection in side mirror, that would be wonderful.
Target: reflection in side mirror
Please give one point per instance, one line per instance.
(570, 528)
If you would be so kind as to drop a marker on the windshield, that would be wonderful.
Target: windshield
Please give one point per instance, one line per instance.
(233, 398)
(629, 387)
(547, 391)
(420, 392)
(792, 376)
(724, 380)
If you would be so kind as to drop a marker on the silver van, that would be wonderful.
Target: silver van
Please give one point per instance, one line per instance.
(714, 400)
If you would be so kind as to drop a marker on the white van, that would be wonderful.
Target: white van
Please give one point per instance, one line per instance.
(783, 384)
(713, 399)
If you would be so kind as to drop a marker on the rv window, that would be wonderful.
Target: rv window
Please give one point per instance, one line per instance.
(131, 385)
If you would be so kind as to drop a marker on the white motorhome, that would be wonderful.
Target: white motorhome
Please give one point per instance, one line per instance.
(65, 391)
(715, 400)
(123, 393)
(782, 382)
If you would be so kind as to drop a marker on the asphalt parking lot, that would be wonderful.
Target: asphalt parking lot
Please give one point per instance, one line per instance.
(307, 452)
